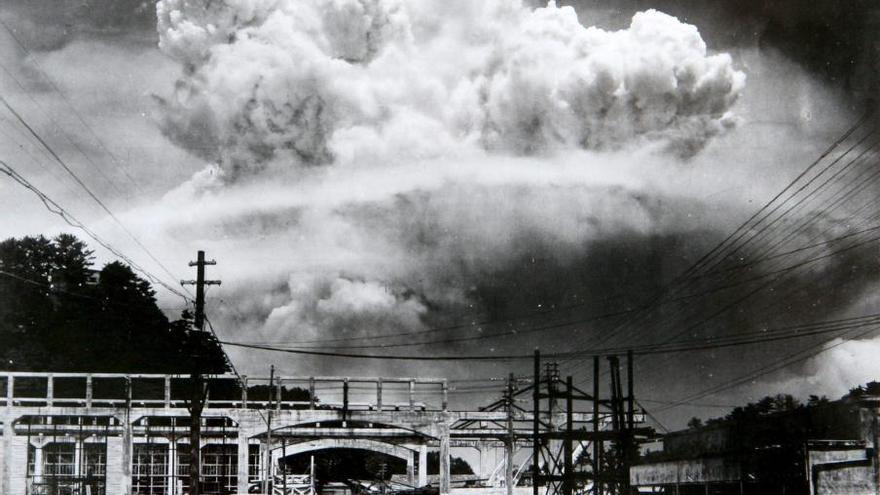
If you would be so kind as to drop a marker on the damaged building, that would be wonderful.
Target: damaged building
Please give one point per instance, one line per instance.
(823, 448)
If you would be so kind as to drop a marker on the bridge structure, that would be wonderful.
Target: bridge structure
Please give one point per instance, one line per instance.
(98, 433)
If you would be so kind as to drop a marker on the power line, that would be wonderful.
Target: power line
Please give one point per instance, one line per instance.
(70, 105)
(686, 276)
(793, 358)
(685, 281)
(83, 185)
(843, 194)
(71, 220)
(791, 332)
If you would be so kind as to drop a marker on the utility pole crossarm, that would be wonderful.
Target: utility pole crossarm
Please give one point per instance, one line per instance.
(199, 389)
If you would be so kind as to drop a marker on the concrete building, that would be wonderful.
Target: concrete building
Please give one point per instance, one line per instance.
(829, 448)
(98, 434)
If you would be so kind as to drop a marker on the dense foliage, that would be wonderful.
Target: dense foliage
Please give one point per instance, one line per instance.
(57, 313)
(457, 465)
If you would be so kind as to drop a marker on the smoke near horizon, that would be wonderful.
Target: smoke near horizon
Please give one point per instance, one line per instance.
(372, 167)
(423, 179)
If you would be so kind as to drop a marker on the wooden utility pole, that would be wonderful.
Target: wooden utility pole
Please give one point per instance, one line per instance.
(267, 486)
(198, 388)
(511, 440)
(536, 423)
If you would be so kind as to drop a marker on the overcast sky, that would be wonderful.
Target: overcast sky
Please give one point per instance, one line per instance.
(366, 168)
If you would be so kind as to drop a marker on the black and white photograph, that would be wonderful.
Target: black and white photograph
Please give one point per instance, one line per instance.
(439, 247)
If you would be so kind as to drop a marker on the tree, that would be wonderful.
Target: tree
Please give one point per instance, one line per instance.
(53, 317)
(457, 465)
(694, 423)
(771, 404)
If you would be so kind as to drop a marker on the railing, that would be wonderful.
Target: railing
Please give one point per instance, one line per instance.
(33, 389)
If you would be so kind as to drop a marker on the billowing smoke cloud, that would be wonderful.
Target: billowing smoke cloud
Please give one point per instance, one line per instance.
(318, 82)
(394, 166)
(844, 365)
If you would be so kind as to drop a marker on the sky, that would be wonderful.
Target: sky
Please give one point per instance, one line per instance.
(450, 171)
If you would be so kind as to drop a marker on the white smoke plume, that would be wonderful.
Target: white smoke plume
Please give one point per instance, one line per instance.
(388, 166)
(398, 162)
(320, 81)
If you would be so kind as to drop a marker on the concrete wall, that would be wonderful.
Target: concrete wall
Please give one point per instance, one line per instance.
(517, 490)
(851, 480)
(687, 471)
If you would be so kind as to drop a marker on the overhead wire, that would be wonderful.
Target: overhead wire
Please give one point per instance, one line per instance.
(45, 76)
(795, 331)
(79, 181)
(738, 238)
(71, 220)
(764, 212)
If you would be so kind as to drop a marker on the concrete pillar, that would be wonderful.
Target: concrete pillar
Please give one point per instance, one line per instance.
(423, 465)
(116, 482)
(379, 394)
(16, 464)
(50, 390)
(171, 466)
(6, 454)
(444, 459)
(89, 390)
(243, 460)
(410, 469)
(123, 462)
(487, 464)
(77, 457)
(39, 461)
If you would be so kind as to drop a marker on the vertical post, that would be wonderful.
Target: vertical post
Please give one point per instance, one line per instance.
(198, 392)
(200, 291)
(875, 431)
(423, 465)
(445, 390)
(278, 395)
(78, 444)
(615, 398)
(412, 391)
(508, 445)
(630, 398)
(268, 462)
(536, 412)
(89, 390)
(244, 392)
(170, 463)
(312, 475)
(568, 465)
(597, 462)
(311, 393)
(167, 392)
(379, 394)
(243, 453)
(127, 441)
(50, 390)
(344, 399)
(444, 459)
(10, 390)
(631, 453)
(284, 463)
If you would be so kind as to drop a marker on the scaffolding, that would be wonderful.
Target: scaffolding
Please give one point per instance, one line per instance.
(593, 457)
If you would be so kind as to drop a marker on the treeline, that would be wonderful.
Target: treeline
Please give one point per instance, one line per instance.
(58, 313)
(782, 403)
